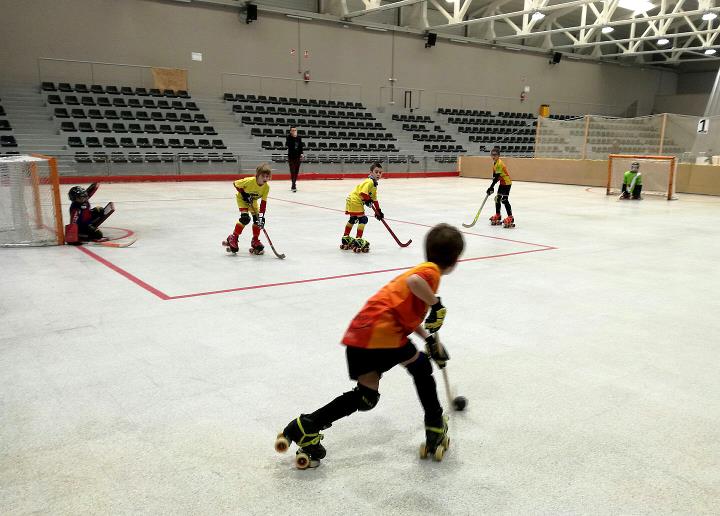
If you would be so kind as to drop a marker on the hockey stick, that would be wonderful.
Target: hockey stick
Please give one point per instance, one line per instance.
(281, 256)
(114, 244)
(390, 230)
(477, 215)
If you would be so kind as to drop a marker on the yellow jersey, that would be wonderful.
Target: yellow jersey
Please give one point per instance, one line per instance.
(501, 171)
(250, 186)
(366, 187)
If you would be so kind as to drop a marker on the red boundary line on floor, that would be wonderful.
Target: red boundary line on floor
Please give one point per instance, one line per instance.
(304, 176)
(165, 297)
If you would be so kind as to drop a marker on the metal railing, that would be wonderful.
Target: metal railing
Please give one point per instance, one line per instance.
(96, 72)
(288, 87)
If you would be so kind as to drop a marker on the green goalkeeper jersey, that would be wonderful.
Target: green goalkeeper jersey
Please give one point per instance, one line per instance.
(630, 176)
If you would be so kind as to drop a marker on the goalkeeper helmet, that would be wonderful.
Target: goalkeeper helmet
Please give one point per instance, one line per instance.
(76, 193)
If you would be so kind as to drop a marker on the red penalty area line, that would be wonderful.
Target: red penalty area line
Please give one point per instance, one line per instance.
(140, 283)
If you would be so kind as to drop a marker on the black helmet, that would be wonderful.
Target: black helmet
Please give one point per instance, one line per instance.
(76, 192)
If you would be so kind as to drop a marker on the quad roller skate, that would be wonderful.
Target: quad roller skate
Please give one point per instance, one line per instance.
(302, 431)
(256, 247)
(361, 246)
(495, 220)
(509, 222)
(437, 441)
(231, 243)
(346, 243)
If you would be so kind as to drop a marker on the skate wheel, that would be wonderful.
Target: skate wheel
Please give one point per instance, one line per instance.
(423, 452)
(366, 250)
(446, 442)
(281, 443)
(439, 453)
(302, 461)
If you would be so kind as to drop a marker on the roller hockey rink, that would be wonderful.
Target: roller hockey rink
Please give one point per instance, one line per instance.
(153, 379)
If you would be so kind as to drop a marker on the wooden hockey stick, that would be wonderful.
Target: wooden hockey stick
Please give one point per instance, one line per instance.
(477, 215)
(281, 256)
(114, 244)
(390, 230)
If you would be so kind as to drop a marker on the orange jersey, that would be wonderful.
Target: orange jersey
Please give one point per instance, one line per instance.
(501, 171)
(393, 313)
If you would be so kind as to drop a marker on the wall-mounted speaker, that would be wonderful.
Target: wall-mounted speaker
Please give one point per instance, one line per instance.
(250, 13)
(431, 40)
(556, 58)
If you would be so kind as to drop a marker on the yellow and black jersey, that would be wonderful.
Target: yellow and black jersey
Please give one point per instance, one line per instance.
(250, 186)
(500, 172)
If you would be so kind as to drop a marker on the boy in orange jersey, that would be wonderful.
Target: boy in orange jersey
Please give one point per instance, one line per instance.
(364, 194)
(500, 173)
(249, 190)
(377, 340)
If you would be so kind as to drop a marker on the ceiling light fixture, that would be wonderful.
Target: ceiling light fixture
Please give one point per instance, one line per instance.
(710, 51)
(638, 6)
(607, 30)
(709, 16)
(537, 16)
(663, 41)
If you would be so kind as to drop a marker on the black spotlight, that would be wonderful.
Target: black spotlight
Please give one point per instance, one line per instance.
(250, 13)
(431, 40)
(556, 57)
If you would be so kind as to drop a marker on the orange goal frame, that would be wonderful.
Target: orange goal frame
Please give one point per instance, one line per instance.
(54, 181)
(671, 175)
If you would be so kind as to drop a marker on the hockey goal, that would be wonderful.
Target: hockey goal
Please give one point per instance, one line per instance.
(658, 174)
(30, 209)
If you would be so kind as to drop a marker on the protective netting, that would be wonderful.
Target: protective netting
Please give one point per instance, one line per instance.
(29, 202)
(656, 174)
(594, 137)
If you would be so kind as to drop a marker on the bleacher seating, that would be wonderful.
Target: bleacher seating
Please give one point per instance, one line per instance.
(513, 132)
(419, 126)
(153, 157)
(98, 89)
(349, 126)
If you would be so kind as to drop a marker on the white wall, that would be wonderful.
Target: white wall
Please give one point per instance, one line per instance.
(156, 33)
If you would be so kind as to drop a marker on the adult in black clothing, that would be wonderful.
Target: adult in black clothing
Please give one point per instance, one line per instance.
(295, 155)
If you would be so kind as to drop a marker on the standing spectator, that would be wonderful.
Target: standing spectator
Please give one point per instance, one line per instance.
(295, 155)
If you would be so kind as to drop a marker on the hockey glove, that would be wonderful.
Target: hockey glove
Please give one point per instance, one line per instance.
(260, 222)
(246, 197)
(436, 317)
(379, 214)
(436, 351)
(367, 202)
(490, 190)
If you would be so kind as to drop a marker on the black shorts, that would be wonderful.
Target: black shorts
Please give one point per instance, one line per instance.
(504, 189)
(363, 360)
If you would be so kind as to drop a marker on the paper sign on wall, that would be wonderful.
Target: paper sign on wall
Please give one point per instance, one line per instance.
(292, 51)
(306, 54)
(196, 56)
(703, 126)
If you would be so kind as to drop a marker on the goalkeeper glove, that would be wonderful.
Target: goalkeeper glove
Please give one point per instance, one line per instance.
(436, 351)
(436, 317)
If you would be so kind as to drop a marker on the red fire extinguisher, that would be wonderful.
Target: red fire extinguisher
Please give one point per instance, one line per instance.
(306, 76)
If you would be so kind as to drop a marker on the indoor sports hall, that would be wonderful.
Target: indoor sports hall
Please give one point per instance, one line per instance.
(147, 369)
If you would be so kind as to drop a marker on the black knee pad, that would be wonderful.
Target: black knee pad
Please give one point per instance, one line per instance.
(367, 398)
(363, 219)
(244, 218)
(504, 199)
(421, 366)
(352, 220)
(497, 199)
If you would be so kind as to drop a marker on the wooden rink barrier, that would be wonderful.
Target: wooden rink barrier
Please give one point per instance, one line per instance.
(689, 178)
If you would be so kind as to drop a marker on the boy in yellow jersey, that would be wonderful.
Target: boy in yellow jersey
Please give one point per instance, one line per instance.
(364, 194)
(249, 190)
(500, 173)
(377, 340)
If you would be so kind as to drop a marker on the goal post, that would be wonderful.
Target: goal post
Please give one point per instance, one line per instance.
(658, 174)
(30, 206)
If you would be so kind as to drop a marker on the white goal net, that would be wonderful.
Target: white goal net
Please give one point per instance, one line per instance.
(30, 211)
(657, 173)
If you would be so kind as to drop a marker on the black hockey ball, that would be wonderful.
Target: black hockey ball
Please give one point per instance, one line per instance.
(460, 402)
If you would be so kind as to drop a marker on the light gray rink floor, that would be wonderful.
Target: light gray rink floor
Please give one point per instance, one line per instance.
(586, 340)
